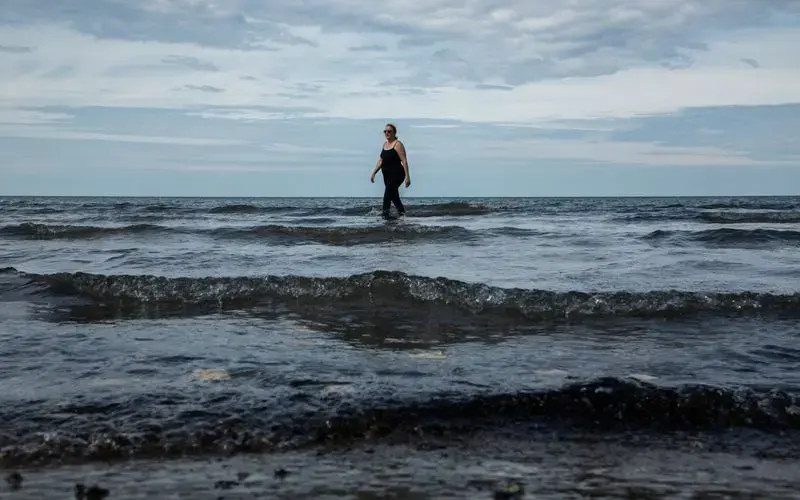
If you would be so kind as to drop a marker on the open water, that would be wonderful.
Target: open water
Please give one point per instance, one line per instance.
(183, 329)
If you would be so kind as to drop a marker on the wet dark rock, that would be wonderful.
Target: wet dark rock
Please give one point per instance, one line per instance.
(93, 493)
(427, 446)
(481, 484)
(14, 480)
(96, 493)
(512, 490)
(281, 473)
(225, 484)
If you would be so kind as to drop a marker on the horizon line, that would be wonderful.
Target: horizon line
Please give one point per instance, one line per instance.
(378, 197)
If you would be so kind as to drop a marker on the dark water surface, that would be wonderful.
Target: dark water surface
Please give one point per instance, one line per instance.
(524, 332)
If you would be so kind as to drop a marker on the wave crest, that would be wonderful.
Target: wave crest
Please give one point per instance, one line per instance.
(726, 236)
(54, 231)
(451, 209)
(395, 288)
(601, 403)
(274, 233)
(146, 425)
(752, 204)
(750, 217)
(347, 235)
(236, 209)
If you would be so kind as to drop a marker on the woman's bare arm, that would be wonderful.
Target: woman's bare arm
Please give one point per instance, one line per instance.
(401, 150)
(375, 170)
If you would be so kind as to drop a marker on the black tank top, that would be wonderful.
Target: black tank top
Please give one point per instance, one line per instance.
(390, 163)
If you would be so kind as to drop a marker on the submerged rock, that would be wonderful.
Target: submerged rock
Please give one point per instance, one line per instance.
(225, 484)
(511, 490)
(93, 493)
(14, 480)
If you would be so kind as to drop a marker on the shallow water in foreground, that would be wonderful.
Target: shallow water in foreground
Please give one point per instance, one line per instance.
(629, 346)
(547, 468)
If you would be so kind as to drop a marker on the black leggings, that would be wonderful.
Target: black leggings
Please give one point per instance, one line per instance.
(392, 195)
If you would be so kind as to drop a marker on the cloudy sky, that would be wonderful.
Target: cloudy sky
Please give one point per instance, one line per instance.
(491, 97)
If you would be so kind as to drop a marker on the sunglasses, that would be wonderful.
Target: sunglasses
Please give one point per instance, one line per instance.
(387, 131)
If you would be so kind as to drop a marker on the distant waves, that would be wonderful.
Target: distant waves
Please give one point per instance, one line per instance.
(728, 237)
(325, 233)
(447, 209)
(274, 233)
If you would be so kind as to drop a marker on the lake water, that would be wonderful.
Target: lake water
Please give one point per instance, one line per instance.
(185, 329)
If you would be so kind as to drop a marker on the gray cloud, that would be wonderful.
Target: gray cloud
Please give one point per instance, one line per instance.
(679, 61)
(450, 62)
(483, 86)
(306, 87)
(60, 71)
(294, 95)
(368, 48)
(15, 49)
(253, 113)
(203, 88)
(750, 62)
(593, 37)
(190, 62)
(532, 69)
(197, 22)
(413, 91)
(421, 40)
(534, 41)
(764, 132)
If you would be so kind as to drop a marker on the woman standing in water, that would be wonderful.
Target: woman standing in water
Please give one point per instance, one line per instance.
(394, 164)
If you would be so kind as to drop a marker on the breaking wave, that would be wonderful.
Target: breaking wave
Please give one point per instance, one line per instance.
(726, 217)
(750, 217)
(56, 231)
(726, 236)
(602, 403)
(347, 235)
(236, 209)
(333, 235)
(171, 425)
(395, 289)
(752, 204)
(450, 209)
